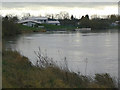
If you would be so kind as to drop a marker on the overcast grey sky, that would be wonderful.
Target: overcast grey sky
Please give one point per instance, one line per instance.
(76, 8)
(60, 0)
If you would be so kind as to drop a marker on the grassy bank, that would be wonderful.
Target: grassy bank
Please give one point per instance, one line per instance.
(19, 73)
(57, 28)
(26, 29)
(46, 27)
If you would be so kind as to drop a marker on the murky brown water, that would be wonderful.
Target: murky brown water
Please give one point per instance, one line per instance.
(100, 49)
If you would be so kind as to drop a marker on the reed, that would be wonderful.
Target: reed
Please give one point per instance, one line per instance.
(18, 72)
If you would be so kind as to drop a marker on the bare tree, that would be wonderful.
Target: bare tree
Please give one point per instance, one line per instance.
(48, 15)
(26, 15)
(64, 15)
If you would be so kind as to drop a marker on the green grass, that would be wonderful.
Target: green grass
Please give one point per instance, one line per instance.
(26, 29)
(19, 73)
(56, 27)
(30, 29)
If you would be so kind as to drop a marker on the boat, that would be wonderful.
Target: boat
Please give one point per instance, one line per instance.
(83, 29)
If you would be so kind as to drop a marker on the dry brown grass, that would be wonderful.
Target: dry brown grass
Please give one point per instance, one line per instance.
(19, 73)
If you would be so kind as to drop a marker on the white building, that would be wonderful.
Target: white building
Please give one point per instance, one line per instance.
(115, 23)
(54, 22)
(32, 21)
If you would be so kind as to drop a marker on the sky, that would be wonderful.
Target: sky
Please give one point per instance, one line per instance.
(59, 0)
(77, 9)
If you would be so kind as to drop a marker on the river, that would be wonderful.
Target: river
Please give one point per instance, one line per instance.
(99, 49)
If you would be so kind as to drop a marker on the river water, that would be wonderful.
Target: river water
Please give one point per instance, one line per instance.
(99, 49)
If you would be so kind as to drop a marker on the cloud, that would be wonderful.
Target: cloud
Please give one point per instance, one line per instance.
(60, 1)
(75, 8)
(36, 5)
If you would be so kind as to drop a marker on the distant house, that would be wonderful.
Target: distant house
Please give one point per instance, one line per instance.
(30, 23)
(54, 22)
(115, 23)
(36, 21)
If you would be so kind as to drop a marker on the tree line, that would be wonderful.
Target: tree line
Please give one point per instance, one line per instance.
(94, 23)
(85, 22)
(10, 26)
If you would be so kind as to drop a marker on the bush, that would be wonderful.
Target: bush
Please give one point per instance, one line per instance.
(18, 72)
(9, 26)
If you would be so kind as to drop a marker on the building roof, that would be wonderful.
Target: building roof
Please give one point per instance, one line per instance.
(35, 20)
(50, 22)
(41, 18)
(23, 21)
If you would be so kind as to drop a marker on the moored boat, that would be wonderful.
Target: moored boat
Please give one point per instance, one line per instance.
(83, 29)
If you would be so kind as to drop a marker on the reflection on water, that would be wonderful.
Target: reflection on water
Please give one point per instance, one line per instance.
(100, 49)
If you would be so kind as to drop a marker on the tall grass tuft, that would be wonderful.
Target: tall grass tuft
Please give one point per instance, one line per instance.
(18, 72)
